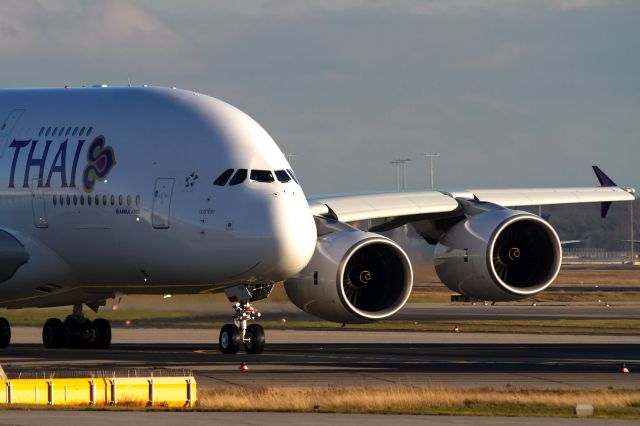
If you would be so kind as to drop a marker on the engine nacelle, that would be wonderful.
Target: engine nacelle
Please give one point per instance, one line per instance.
(353, 277)
(499, 255)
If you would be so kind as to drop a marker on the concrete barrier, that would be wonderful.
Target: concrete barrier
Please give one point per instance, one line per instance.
(134, 391)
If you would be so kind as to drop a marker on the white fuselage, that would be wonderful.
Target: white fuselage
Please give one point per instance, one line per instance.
(132, 206)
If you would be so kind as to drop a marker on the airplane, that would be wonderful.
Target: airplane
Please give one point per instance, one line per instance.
(106, 191)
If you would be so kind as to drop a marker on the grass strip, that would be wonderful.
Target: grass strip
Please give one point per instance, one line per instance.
(608, 404)
(187, 319)
(412, 400)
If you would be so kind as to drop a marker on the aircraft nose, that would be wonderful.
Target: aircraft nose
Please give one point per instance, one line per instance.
(294, 235)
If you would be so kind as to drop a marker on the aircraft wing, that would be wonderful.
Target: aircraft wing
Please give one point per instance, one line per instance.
(349, 208)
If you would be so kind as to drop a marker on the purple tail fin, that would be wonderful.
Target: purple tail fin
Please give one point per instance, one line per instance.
(603, 178)
(605, 181)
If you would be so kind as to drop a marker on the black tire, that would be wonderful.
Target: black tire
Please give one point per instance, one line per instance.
(53, 334)
(5, 333)
(72, 334)
(229, 340)
(255, 344)
(102, 331)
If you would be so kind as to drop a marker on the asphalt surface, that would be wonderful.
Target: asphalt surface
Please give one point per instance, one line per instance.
(344, 357)
(61, 418)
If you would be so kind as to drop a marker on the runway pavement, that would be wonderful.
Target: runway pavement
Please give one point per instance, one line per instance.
(62, 418)
(343, 357)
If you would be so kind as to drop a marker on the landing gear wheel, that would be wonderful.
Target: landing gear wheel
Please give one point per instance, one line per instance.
(5, 333)
(254, 339)
(53, 334)
(102, 332)
(229, 339)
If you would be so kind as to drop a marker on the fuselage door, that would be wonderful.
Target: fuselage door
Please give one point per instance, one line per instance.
(162, 202)
(6, 128)
(38, 204)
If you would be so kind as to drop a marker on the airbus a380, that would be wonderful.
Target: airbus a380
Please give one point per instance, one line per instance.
(109, 191)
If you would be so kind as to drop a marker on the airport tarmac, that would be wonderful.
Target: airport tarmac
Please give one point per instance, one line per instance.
(62, 418)
(343, 357)
(65, 418)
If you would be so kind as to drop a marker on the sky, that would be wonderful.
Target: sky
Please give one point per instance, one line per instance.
(509, 93)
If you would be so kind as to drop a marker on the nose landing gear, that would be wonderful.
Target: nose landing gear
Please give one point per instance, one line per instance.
(239, 333)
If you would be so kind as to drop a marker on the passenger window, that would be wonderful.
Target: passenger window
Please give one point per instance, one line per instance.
(239, 177)
(283, 176)
(112, 199)
(104, 200)
(82, 200)
(55, 200)
(223, 178)
(97, 200)
(262, 176)
(89, 200)
(120, 198)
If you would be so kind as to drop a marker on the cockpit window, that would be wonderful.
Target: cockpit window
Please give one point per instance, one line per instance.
(262, 176)
(239, 177)
(293, 176)
(283, 176)
(223, 178)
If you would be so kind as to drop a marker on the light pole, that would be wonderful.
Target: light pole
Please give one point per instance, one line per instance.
(289, 157)
(397, 164)
(631, 208)
(430, 157)
(401, 162)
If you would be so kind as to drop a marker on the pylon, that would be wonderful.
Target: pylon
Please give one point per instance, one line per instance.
(624, 369)
(243, 367)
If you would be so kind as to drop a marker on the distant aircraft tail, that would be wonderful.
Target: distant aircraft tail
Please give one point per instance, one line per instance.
(605, 181)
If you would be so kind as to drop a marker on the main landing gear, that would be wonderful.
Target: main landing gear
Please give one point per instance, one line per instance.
(76, 331)
(5, 333)
(239, 333)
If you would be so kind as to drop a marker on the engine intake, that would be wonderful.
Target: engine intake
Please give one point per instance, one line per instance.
(353, 277)
(499, 254)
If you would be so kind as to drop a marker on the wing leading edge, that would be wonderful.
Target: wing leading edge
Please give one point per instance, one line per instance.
(394, 204)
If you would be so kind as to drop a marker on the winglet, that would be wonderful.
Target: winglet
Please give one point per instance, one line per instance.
(605, 181)
(603, 178)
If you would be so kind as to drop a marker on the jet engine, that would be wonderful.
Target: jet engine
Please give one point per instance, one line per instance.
(498, 255)
(353, 277)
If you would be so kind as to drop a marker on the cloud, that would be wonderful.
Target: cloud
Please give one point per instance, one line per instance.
(81, 28)
(437, 8)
